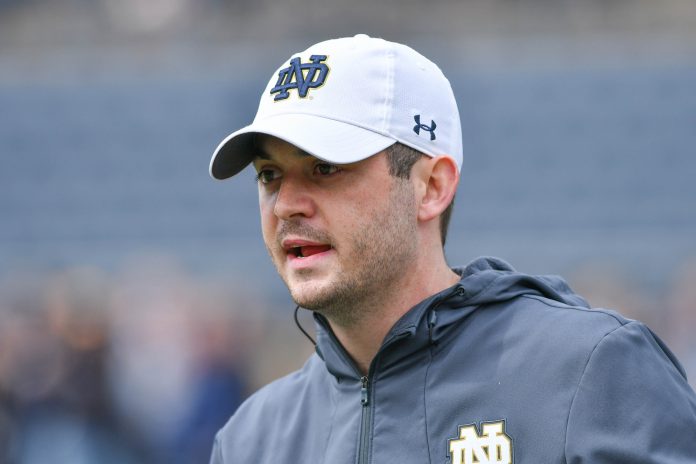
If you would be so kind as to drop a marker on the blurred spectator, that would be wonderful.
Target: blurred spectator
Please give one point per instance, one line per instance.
(144, 368)
(52, 372)
(220, 384)
(682, 317)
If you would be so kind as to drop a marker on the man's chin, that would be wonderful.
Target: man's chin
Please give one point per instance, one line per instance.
(303, 296)
(311, 294)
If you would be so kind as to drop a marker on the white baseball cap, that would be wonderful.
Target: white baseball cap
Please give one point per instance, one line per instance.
(344, 100)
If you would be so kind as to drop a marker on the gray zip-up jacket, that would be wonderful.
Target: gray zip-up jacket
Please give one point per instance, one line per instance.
(501, 368)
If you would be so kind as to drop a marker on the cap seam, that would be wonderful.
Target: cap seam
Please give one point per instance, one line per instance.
(389, 96)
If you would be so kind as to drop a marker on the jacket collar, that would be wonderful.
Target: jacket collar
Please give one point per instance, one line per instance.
(413, 332)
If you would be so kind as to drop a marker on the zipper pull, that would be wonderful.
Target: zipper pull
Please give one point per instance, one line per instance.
(431, 323)
(364, 391)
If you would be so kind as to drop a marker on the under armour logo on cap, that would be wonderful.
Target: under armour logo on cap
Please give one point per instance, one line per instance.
(431, 128)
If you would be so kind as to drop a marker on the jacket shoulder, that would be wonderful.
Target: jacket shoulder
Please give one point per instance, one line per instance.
(586, 326)
(597, 325)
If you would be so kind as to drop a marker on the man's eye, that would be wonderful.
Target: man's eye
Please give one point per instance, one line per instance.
(325, 169)
(266, 176)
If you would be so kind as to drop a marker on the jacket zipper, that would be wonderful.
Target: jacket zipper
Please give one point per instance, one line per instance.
(363, 448)
(366, 413)
(365, 401)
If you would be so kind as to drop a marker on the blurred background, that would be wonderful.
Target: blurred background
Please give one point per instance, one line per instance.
(138, 306)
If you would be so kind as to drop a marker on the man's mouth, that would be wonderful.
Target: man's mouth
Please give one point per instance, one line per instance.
(301, 248)
(308, 250)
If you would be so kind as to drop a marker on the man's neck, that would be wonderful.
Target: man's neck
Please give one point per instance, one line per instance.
(363, 338)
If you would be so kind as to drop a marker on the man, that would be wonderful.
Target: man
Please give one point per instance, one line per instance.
(357, 148)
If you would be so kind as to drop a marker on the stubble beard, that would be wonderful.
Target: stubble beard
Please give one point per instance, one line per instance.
(381, 249)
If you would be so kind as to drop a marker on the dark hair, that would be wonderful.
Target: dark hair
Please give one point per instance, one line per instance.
(401, 160)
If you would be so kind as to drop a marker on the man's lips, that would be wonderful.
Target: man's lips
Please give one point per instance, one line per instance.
(304, 248)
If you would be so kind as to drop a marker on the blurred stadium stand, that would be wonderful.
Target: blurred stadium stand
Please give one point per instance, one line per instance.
(560, 167)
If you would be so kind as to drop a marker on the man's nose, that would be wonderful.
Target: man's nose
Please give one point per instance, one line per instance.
(294, 199)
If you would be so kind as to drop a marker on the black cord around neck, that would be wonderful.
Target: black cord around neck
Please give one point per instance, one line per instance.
(297, 322)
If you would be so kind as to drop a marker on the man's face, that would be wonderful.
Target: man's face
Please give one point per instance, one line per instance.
(339, 235)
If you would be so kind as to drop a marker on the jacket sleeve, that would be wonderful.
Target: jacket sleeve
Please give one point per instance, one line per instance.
(633, 404)
(216, 457)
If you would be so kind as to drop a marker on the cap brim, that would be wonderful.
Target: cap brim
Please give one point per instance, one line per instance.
(327, 139)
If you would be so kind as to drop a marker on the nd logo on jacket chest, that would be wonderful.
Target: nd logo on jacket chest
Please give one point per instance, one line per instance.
(491, 446)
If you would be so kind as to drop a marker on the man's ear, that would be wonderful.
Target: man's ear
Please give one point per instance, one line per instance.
(438, 178)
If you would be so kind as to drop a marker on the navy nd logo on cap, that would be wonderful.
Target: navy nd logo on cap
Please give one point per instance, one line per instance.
(301, 77)
(344, 100)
